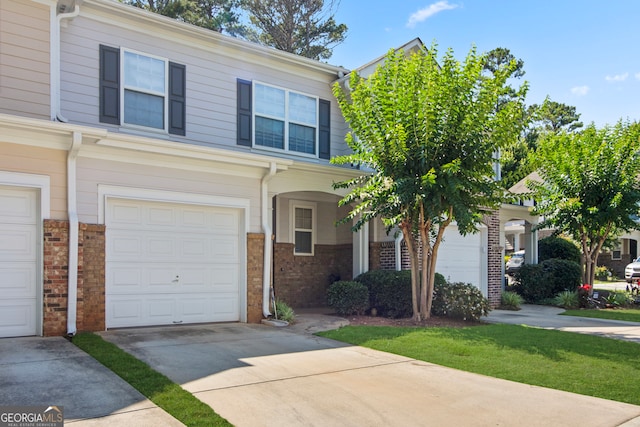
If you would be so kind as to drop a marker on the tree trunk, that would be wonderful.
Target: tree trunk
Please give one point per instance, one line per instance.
(415, 268)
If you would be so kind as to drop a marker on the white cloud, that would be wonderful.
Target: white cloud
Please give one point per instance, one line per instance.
(427, 12)
(617, 77)
(580, 90)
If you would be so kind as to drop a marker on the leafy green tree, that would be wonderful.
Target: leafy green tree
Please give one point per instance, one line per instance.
(216, 15)
(304, 27)
(590, 189)
(429, 130)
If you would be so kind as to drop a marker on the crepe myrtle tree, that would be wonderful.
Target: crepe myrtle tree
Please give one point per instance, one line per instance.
(590, 188)
(429, 130)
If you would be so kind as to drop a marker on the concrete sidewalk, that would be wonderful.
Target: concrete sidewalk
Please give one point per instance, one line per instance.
(255, 375)
(53, 371)
(549, 317)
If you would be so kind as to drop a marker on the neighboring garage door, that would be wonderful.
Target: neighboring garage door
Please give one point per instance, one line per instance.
(171, 263)
(461, 258)
(18, 261)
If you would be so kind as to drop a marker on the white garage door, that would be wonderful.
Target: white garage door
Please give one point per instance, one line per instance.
(462, 258)
(171, 263)
(18, 261)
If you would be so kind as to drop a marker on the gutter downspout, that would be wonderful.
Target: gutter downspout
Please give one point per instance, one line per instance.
(398, 248)
(72, 285)
(55, 63)
(266, 229)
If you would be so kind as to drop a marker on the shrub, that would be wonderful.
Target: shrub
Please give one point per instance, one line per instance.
(390, 291)
(284, 312)
(510, 300)
(348, 297)
(537, 282)
(459, 300)
(602, 273)
(555, 247)
(567, 299)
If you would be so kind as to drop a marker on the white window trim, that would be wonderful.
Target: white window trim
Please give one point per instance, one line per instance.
(618, 248)
(286, 121)
(314, 224)
(165, 95)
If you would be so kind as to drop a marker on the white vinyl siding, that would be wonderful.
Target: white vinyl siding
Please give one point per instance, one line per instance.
(24, 59)
(213, 69)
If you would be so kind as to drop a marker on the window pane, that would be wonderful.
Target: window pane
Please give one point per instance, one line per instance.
(143, 109)
(269, 132)
(269, 101)
(144, 73)
(304, 218)
(302, 139)
(303, 242)
(302, 109)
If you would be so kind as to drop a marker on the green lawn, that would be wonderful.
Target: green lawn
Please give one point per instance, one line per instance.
(578, 363)
(626, 314)
(156, 387)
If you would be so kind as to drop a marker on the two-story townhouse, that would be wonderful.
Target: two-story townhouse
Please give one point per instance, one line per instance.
(144, 160)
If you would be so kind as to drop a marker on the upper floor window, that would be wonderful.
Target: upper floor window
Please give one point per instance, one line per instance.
(145, 90)
(142, 90)
(281, 119)
(285, 120)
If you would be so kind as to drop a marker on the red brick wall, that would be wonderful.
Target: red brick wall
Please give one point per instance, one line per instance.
(302, 281)
(494, 259)
(255, 261)
(56, 264)
(91, 269)
(91, 278)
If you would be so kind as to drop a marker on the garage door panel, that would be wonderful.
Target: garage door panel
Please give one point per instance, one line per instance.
(18, 280)
(19, 235)
(17, 243)
(18, 206)
(178, 262)
(17, 317)
(459, 257)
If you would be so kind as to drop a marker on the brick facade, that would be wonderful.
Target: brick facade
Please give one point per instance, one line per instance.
(255, 261)
(302, 281)
(91, 275)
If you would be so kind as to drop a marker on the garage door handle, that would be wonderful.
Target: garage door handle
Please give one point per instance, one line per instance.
(176, 280)
(177, 322)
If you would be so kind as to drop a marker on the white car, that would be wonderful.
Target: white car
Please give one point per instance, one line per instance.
(516, 261)
(632, 271)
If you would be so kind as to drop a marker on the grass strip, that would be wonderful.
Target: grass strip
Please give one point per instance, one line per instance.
(626, 314)
(168, 395)
(578, 363)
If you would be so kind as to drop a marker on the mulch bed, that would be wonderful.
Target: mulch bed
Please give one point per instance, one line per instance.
(433, 322)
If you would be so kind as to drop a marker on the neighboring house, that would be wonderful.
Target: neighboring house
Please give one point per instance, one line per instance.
(144, 160)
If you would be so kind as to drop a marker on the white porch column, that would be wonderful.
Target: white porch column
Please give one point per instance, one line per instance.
(516, 242)
(530, 244)
(361, 250)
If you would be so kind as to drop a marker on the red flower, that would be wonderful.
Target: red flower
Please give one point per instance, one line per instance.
(586, 287)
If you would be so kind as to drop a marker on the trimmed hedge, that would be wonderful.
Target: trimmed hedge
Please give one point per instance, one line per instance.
(348, 297)
(556, 247)
(390, 291)
(539, 282)
(459, 300)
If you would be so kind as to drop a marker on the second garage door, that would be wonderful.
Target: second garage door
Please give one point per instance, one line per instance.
(462, 258)
(171, 263)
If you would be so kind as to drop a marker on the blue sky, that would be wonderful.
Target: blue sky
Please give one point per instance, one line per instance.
(583, 53)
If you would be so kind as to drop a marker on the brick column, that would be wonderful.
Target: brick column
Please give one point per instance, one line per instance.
(255, 261)
(56, 266)
(91, 278)
(494, 259)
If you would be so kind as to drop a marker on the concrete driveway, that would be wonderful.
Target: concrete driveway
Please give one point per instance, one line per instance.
(53, 371)
(256, 375)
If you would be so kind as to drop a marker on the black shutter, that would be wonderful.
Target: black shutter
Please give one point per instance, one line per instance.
(177, 99)
(244, 113)
(325, 130)
(109, 85)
